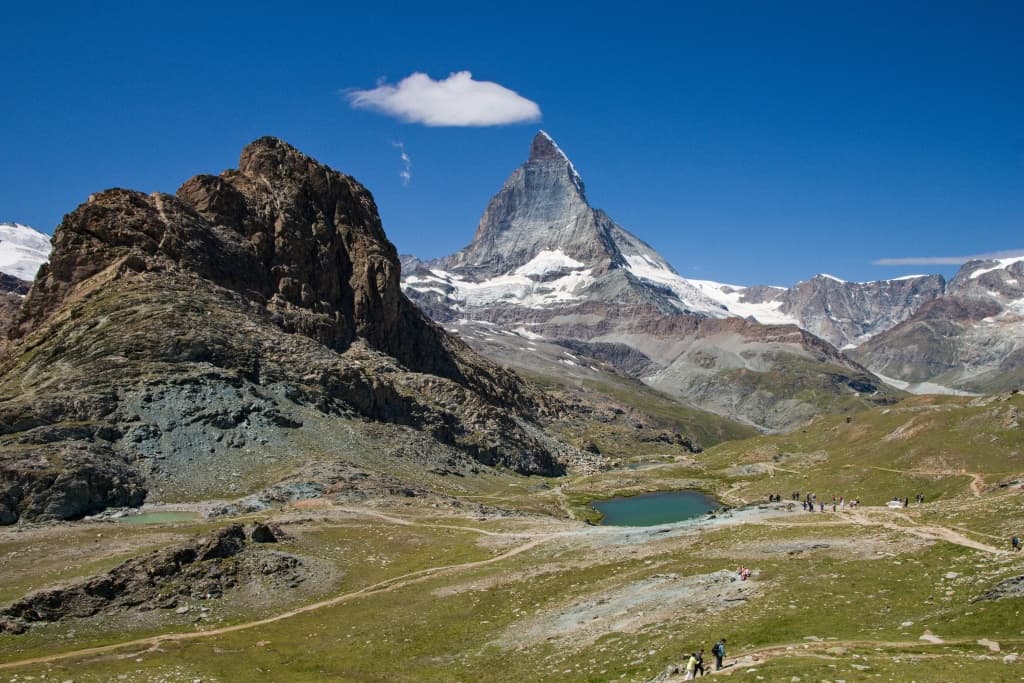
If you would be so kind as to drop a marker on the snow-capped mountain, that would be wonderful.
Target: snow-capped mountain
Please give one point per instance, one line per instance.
(971, 339)
(545, 264)
(540, 245)
(22, 250)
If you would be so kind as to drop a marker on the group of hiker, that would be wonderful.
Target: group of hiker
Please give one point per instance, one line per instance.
(695, 663)
(810, 502)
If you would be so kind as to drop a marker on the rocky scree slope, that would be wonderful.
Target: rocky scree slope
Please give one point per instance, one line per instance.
(205, 341)
(545, 265)
(972, 339)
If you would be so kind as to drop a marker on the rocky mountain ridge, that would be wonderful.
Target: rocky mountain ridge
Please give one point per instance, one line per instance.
(206, 342)
(845, 314)
(970, 340)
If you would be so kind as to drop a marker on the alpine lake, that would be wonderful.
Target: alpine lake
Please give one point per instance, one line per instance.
(651, 509)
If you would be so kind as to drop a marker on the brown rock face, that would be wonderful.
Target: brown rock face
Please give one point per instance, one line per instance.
(184, 329)
(283, 230)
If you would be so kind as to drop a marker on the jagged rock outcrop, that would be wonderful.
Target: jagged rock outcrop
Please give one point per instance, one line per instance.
(544, 263)
(204, 568)
(972, 339)
(172, 337)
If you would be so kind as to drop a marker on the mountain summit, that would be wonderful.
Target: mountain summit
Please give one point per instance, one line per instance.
(540, 244)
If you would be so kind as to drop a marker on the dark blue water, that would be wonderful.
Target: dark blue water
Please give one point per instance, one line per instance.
(650, 509)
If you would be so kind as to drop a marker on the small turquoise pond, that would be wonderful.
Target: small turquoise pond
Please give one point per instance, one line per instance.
(159, 517)
(650, 509)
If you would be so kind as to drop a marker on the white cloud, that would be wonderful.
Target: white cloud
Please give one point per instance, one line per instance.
(946, 260)
(455, 101)
(406, 173)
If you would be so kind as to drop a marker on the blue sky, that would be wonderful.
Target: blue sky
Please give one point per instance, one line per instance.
(748, 142)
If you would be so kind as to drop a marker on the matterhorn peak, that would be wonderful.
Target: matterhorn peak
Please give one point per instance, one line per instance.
(545, 147)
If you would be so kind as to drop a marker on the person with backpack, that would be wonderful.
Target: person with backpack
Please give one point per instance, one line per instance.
(700, 664)
(719, 652)
(1015, 543)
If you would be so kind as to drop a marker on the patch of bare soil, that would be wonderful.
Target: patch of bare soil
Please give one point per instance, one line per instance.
(630, 607)
(860, 547)
(908, 429)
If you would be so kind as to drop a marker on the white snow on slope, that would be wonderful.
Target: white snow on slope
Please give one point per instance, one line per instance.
(766, 313)
(547, 261)
(22, 250)
(660, 273)
(1001, 263)
(516, 288)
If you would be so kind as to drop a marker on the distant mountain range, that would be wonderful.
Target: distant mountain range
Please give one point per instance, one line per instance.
(545, 264)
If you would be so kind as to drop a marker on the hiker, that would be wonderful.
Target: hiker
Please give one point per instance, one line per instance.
(700, 664)
(691, 667)
(906, 502)
(719, 652)
(822, 506)
(1015, 542)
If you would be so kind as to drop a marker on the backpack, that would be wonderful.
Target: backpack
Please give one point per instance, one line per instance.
(717, 650)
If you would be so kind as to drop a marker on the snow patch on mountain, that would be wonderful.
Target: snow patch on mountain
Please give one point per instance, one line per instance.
(731, 298)
(653, 269)
(548, 261)
(22, 250)
(1000, 264)
(518, 288)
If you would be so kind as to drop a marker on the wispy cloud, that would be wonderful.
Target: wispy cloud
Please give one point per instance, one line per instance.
(406, 173)
(454, 101)
(946, 260)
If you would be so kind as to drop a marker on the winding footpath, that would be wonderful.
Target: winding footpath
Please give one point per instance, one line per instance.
(390, 584)
(859, 517)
